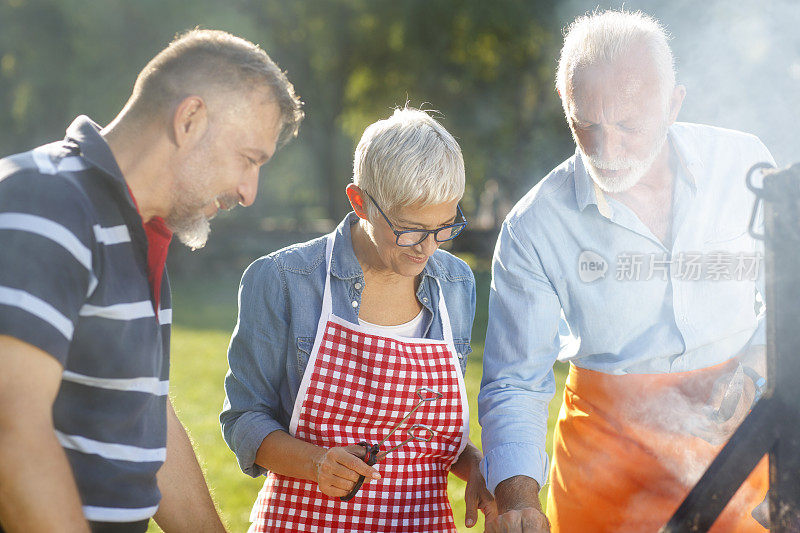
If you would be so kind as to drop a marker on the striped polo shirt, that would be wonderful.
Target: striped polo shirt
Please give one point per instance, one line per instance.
(74, 283)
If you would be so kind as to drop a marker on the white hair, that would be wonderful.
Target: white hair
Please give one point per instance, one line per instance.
(608, 36)
(408, 159)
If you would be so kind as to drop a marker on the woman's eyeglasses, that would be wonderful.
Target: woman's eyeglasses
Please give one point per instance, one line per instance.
(413, 237)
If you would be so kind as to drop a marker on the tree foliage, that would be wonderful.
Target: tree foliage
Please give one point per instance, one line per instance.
(486, 67)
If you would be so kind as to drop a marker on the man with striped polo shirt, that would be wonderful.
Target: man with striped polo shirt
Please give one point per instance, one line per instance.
(88, 438)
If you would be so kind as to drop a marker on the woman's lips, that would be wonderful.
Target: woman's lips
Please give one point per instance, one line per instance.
(415, 259)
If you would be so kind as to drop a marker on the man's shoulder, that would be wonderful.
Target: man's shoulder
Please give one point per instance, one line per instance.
(45, 182)
(704, 136)
(555, 191)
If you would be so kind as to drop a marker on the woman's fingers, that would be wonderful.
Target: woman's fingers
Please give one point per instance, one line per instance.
(339, 470)
(471, 501)
(351, 458)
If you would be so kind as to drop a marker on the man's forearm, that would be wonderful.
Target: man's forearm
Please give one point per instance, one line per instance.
(517, 492)
(37, 489)
(186, 504)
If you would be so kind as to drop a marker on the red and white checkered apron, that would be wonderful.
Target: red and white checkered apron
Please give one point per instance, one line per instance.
(357, 386)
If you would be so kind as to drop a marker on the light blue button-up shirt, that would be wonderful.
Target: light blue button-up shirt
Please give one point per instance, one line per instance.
(633, 305)
(280, 301)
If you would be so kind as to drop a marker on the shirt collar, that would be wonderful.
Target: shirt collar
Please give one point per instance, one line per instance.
(586, 190)
(588, 193)
(344, 264)
(85, 134)
(688, 157)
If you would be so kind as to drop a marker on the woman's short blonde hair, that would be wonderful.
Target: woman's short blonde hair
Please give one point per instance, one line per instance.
(408, 159)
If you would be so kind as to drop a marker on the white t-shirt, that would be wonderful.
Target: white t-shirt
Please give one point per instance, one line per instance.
(414, 328)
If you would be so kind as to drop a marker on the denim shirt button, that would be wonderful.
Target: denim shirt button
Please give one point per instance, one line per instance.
(357, 285)
(425, 299)
(355, 304)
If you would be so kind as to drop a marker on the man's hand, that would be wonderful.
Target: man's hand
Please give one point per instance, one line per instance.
(528, 520)
(337, 470)
(519, 507)
(731, 398)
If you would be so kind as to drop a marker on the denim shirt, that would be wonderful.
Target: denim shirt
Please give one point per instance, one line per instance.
(635, 305)
(280, 301)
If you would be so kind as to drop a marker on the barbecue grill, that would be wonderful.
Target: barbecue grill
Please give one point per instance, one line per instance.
(773, 425)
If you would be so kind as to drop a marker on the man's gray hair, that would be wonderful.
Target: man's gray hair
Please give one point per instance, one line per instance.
(207, 62)
(408, 159)
(608, 36)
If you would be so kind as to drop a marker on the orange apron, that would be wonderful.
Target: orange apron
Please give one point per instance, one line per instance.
(622, 464)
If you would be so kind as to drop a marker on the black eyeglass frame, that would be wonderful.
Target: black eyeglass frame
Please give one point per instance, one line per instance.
(397, 233)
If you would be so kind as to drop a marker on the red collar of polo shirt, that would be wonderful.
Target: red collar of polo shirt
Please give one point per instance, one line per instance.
(158, 239)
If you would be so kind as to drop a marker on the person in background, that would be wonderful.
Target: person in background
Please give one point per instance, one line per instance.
(88, 436)
(641, 240)
(338, 339)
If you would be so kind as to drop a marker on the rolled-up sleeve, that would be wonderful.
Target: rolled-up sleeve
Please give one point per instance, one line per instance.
(257, 359)
(522, 343)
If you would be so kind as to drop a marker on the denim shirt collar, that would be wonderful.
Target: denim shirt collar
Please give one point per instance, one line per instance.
(588, 193)
(344, 264)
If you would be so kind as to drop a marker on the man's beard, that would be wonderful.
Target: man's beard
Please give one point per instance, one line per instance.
(188, 220)
(190, 226)
(636, 168)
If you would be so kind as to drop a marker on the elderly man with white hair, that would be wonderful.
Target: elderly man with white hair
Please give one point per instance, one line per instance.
(640, 241)
(350, 350)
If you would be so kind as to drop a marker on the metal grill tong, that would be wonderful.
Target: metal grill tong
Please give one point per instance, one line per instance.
(416, 432)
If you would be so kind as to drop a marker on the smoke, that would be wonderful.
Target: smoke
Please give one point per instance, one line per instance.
(669, 423)
(739, 61)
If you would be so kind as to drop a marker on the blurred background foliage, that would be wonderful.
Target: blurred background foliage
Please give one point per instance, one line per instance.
(487, 67)
(488, 70)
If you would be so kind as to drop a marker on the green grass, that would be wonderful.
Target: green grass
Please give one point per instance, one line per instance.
(204, 316)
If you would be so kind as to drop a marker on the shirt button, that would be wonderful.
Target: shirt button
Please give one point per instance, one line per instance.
(355, 304)
(425, 299)
(357, 285)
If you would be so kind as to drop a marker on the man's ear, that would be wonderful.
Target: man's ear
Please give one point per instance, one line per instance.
(356, 197)
(190, 121)
(675, 102)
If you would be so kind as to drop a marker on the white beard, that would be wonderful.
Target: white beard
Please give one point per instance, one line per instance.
(192, 232)
(636, 168)
(187, 219)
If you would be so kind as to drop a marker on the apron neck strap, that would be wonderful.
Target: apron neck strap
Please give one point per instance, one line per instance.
(447, 330)
(327, 300)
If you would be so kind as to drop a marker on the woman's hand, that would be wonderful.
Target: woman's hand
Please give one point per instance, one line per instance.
(337, 470)
(477, 496)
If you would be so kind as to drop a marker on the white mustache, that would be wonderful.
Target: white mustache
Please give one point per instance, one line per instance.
(614, 164)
